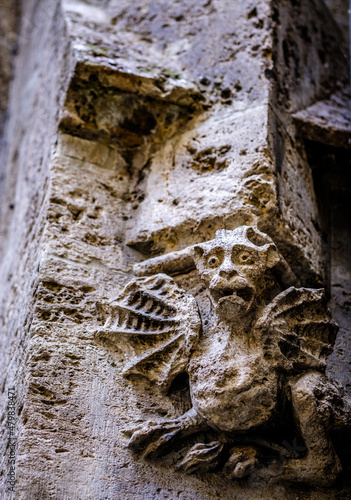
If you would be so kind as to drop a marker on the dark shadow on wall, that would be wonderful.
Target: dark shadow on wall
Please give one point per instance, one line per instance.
(331, 168)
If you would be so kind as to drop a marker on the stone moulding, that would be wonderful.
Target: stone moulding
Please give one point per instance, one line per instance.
(256, 367)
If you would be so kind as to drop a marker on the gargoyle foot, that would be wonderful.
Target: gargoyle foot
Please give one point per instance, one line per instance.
(321, 465)
(242, 462)
(154, 437)
(201, 457)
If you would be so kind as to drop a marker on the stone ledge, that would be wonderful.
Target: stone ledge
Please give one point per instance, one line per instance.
(327, 121)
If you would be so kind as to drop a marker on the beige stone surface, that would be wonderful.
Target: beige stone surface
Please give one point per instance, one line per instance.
(137, 129)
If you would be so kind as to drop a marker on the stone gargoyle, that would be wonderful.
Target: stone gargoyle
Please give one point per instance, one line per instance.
(256, 366)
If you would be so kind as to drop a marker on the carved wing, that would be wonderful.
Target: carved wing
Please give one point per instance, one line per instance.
(296, 330)
(154, 324)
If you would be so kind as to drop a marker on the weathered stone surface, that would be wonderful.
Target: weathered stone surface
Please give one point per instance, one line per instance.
(9, 12)
(135, 130)
(328, 122)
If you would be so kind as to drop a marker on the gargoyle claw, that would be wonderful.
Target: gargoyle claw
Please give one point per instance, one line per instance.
(201, 457)
(242, 462)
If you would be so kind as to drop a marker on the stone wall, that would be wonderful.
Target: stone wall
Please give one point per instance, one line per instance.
(136, 130)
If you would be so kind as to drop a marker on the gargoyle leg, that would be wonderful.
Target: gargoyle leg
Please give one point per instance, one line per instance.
(153, 437)
(321, 465)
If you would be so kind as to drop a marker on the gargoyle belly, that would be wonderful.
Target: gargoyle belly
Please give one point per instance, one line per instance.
(234, 398)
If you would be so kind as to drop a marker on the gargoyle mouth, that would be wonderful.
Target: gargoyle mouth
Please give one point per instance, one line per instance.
(233, 294)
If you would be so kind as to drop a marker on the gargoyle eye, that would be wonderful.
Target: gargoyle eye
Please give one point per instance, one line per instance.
(213, 261)
(245, 258)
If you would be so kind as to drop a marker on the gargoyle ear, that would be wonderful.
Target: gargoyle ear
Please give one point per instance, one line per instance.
(282, 269)
(198, 252)
(272, 257)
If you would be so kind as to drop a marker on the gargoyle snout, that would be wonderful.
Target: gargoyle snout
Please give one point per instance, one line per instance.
(228, 270)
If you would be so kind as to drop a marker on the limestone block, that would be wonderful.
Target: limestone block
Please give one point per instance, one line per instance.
(135, 131)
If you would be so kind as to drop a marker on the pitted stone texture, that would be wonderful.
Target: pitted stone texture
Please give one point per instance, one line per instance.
(172, 39)
(66, 208)
(217, 173)
(164, 46)
(87, 209)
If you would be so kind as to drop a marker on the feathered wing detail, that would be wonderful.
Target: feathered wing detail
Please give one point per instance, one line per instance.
(296, 330)
(154, 323)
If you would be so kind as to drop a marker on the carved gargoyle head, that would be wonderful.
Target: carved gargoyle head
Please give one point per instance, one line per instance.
(236, 267)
